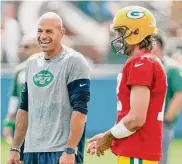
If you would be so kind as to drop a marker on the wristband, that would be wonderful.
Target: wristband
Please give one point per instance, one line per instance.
(15, 149)
(120, 131)
(7, 123)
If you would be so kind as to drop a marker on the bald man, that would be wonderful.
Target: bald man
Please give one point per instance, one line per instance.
(53, 108)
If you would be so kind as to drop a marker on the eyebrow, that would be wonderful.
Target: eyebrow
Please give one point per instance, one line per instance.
(45, 29)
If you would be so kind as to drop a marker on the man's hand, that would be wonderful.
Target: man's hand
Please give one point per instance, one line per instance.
(67, 158)
(91, 148)
(14, 158)
(99, 143)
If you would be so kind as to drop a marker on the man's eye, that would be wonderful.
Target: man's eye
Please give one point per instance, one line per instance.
(121, 31)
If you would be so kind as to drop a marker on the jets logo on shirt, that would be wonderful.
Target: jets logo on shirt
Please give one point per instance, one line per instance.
(43, 78)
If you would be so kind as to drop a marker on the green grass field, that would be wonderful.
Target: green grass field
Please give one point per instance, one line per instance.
(175, 155)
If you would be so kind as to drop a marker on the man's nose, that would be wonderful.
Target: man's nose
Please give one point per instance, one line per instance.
(43, 35)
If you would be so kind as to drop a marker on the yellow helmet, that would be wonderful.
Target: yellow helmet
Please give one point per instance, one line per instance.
(133, 23)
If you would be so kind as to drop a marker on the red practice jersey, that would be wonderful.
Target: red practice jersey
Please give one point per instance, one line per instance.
(145, 143)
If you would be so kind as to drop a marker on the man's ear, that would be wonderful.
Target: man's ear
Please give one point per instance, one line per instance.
(62, 31)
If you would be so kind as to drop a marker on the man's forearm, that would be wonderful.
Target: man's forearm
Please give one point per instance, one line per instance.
(20, 128)
(76, 129)
(174, 107)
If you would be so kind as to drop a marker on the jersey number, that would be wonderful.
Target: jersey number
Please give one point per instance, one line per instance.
(119, 104)
(161, 114)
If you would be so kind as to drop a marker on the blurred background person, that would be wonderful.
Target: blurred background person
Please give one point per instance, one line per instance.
(173, 102)
(177, 55)
(11, 35)
(27, 48)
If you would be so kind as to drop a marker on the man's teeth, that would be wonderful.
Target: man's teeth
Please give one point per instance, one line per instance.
(45, 42)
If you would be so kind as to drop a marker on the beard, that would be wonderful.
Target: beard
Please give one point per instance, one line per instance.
(127, 50)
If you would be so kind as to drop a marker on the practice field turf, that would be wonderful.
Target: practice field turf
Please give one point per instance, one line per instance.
(175, 155)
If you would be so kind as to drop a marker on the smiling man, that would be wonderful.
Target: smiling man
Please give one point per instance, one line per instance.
(53, 106)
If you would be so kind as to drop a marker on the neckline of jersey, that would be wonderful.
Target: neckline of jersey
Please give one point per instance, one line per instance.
(59, 56)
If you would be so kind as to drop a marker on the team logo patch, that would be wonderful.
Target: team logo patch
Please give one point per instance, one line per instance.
(135, 14)
(43, 78)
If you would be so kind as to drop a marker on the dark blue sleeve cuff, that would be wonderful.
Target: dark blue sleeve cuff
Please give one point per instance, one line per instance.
(24, 98)
(79, 94)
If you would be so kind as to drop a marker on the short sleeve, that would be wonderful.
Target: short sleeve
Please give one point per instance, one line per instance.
(140, 72)
(24, 98)
(26, 72)
(23, 104)
(78, 69)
